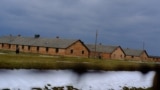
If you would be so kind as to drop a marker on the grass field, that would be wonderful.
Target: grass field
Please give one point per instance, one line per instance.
(10, 60)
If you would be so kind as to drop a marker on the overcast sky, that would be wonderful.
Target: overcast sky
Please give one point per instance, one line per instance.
(127, 23)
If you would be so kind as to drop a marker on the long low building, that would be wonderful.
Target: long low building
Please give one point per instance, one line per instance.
(116, 52)
(71, 47)
(154, 58)
(53, 46)
(106, 52)
(134, 54)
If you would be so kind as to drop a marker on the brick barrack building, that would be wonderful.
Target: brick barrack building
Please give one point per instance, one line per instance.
(72, 48)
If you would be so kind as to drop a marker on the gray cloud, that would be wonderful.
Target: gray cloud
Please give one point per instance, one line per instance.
(120, 22)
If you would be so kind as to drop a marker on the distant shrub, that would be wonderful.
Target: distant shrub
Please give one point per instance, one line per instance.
(134, 88)
(71, 88)
(6, 89)
(36, 88)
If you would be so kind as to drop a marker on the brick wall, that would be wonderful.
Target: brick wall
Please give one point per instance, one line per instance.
(25, 48)
(13, 47)
(5, 46)
(58, 51)
(0, 45)
(132, 58)
(99, 55)
(154, 59)
(92, 54)
(106, 56)
(77, 49)
(144, 56)
(118, 54)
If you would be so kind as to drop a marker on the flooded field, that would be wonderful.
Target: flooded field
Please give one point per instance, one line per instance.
(92, 80)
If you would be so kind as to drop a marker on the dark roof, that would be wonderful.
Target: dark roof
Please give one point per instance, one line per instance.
(7, 39)
(101, 48)
(32, 41)
(154, 56)
(133, 52)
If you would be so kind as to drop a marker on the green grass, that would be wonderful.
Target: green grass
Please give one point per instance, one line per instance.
(10, 60)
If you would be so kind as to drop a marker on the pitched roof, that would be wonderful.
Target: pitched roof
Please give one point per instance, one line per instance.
(154, 56)
(44, 42)
(102, 48)
(133, 52)
(7, 39)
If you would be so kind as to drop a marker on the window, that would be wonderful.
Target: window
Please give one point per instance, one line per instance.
(29, 47)
(9, 46)
(2, 45)
(99, 57)
(83, 52)
(57, 50)
(132, 56)
(22, 46)
(47, 49)
(37, 49)
(71, 51)
(16, 46)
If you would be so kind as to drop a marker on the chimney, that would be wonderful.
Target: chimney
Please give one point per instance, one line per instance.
(36, 36)
(57, 37)
(19, 35)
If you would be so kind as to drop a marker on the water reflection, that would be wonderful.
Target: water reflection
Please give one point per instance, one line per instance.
(92, 80)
